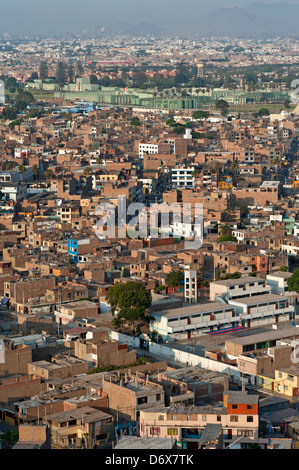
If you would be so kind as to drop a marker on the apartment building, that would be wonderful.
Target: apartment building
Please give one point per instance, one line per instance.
(147, 148)
(193, 320)
(278, 282)
(263, 309)
(182, 177)
(102, 353)
(59, 368)
(129, 394)
(66, 314)
(238, 418)
(81, 428)
(232, 289)
(255, 363)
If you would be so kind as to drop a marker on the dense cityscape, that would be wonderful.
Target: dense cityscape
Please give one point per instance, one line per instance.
(149, 242)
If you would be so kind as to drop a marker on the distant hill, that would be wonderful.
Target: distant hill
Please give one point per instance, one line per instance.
(285, 12)
(257, 21)
(234, 22)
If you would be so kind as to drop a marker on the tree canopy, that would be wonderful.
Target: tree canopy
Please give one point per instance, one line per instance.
(227, 238)
(130, 300)
(174, 278)
(293, 282)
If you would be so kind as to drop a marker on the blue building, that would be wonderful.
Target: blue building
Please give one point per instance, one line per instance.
(73, 250)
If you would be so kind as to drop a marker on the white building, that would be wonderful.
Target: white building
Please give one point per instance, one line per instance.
(263, 310)
(194, 320)
(182, 177)
(278, 282)
(148, 148)
(231, 289)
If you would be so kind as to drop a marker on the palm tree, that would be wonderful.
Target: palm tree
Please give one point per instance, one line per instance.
(34, 170)
(9, 166)
(49, 173)
(21, 170)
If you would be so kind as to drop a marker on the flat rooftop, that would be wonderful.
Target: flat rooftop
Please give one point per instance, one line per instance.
(193, 310)
(270, 335)
(235, 282)
(279, 274)
(257, 299)
(193, 374)
(134, 442)
(88, 414)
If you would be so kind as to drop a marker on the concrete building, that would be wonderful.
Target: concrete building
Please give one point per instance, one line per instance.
(82, 428)
(129, 394)
(278, 283)
(182, 177)
(187, 322)
(253, 364)
(238, 418)
(33, 436)
(232, 289)
(60, 367)
(66, 314)
(263, 309)
(189, 385)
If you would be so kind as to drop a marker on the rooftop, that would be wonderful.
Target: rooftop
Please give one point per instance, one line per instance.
(236, 282)
(193, 309)
(87, 414)
(257, 299)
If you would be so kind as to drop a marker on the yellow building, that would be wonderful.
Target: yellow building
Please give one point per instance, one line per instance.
(284, 381)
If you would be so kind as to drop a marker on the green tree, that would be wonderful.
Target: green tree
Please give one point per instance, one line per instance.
(227, 238)
(174, 278)
(9, 112)
(34, 170)
(135, 121)
(80, 68)
(263, 112)
(50, 173)
(223, 106)
(61, 73)
(200, 114)
(293, 282)
(43, 70)
(131, 300)
(224, 230)
(284, 269)
(21, 170)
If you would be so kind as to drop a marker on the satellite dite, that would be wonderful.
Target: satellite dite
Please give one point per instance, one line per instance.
(2, 92)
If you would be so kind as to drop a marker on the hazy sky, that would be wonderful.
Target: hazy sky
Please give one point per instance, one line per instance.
(56, 16)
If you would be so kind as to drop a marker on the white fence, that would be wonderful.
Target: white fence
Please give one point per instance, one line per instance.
(184, 357)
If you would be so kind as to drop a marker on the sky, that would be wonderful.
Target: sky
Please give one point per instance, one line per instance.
(60, 16)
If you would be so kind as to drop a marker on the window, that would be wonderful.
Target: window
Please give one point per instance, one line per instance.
(219, 418)
(204, 418)
(154, 431)
(100, 437)
(234, 418)
(172, 431)
(249, 419)
(142, 400)
(161, 418)
(249, 407)
(234, 407)
(158, 397)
